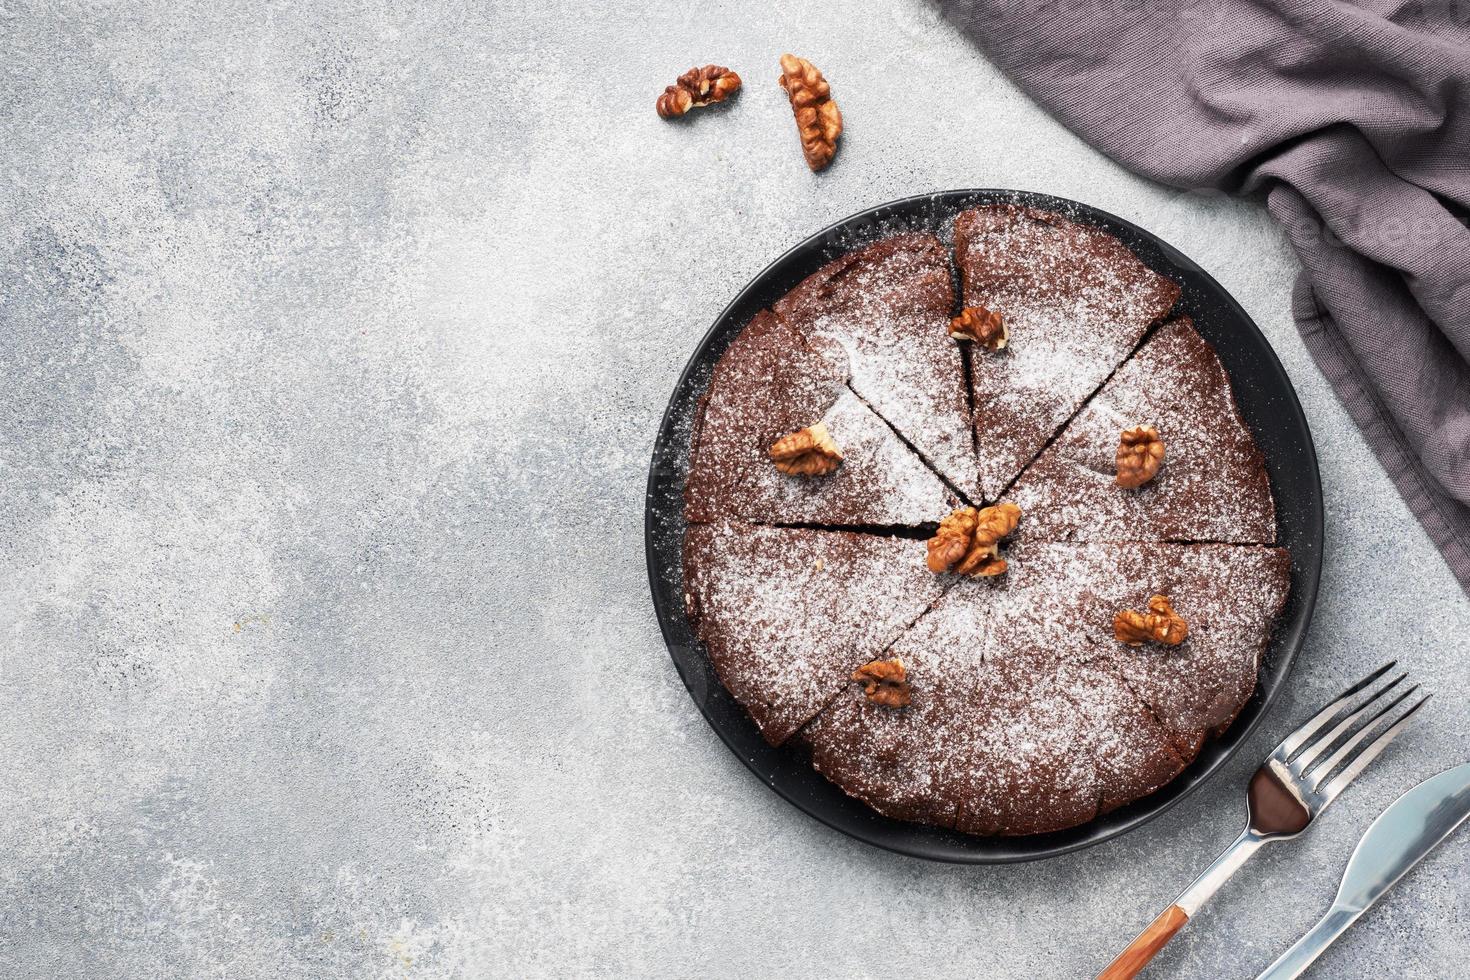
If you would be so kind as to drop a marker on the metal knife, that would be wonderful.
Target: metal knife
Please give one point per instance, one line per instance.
(1401, 836)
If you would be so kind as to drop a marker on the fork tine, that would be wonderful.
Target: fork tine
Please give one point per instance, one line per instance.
(1299, 737)
(1324, 769)
(1320, 744)
(1376, 747)
(1315, 751)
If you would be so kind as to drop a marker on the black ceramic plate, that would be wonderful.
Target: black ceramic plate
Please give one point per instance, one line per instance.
(1266, 400)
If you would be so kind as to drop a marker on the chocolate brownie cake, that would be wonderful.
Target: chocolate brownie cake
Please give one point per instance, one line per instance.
(1126, 623)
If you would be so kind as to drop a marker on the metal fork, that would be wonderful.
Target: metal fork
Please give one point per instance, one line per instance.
(1294, 785)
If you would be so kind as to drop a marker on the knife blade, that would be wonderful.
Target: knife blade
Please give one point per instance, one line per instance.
(1411, 827)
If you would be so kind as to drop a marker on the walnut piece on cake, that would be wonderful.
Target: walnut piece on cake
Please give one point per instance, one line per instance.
(885, 682)
(1160, 624)
(818, 120)
(806, 452)
(986, 328)
(695, 88)
(1140, 451)
(968, 540)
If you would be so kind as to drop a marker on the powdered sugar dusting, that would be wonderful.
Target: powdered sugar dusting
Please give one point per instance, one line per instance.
(1021, 693)
(1131, 753)
(788, 614)
(1212, 486)
(880, 480)
(887, 307)
(1076, 302)
(893, 363)
(770, 383)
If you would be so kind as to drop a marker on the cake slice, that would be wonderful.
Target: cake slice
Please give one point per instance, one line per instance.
(1015, 726)
(770, 382)
(1212, 485)
(888, 306)
(1230, 595)
(1066, 595)
(906, 763)
(1075, 301)
(787, 614)
(985, 748)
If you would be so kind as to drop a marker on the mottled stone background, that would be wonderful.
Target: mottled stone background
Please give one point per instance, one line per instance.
(334, 341)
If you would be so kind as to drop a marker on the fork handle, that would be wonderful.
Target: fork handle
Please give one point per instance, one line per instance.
(1147, 945)
(1172, 919)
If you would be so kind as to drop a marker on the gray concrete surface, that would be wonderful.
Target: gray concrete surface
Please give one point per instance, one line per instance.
(334, 341)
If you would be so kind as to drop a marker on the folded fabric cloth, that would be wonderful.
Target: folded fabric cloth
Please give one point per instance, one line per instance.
(1353, 120)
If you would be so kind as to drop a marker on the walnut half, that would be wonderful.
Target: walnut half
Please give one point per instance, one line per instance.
(818, 120)
(806, 452)
(967, 542)
(885, 682)
(697, 87)
(1160, 624)
(986, 328)
(1140, 452)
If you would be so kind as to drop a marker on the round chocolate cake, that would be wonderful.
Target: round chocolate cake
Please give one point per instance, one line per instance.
(1001, 564)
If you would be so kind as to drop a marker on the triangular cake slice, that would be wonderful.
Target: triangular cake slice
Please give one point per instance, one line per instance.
(1003, 735)
(983, 747)
(888, 306)
(906, 763)
(1229, 595)
(787, 614)
(1212, 485)
(1075, 301)
(768, 383)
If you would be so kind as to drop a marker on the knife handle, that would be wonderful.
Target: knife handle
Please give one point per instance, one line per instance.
(1306, 950)
(1146, 946)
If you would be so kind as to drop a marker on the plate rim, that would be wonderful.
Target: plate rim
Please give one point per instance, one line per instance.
(1287, 639)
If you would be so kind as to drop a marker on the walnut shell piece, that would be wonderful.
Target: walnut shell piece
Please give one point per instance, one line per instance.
(986, 328)
(885, 682)
(1140, 453)
(1161, 624)
(968, 540)
(818, 120)
(806, 452)
(695, 88)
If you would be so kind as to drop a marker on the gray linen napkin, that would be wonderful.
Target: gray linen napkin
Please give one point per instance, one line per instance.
(1353, 121)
